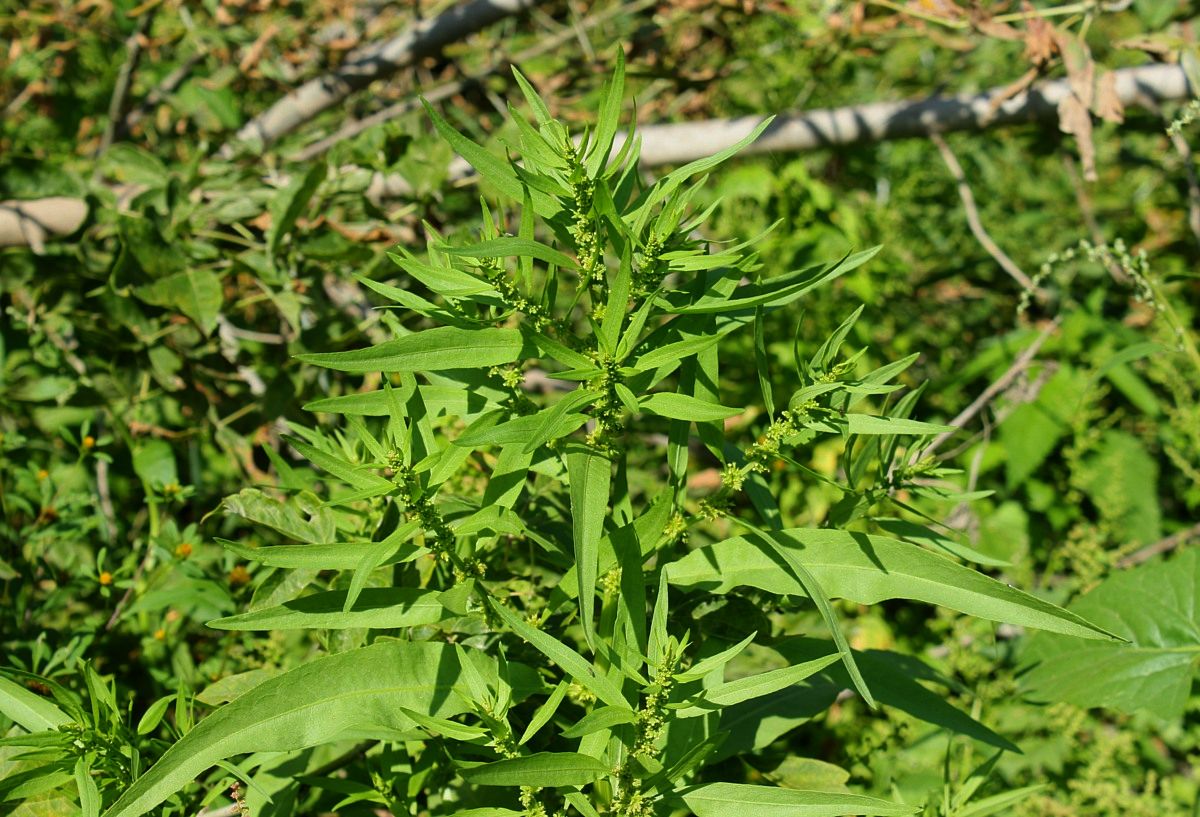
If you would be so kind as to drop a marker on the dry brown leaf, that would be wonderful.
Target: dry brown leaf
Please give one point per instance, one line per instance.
(1081, 70)
(1039, 38)
(1108, 105)
(1073, 118)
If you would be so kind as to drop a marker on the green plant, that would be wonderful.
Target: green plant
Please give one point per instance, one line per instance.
(527, 598)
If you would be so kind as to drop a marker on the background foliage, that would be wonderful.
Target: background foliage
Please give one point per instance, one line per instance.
(150, 370)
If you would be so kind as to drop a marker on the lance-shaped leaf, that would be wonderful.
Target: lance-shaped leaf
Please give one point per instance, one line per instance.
(754, 686)
(544, 769)
(743, 800)
(870, 424)
(570, 661)
(686, 407)
(868, 569)
(349, 694)
(509, 247)
(377, 608)
(590, 476)
(444, 347)
(30, 710)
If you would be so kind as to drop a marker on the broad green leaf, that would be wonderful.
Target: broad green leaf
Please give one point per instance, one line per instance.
(377, 608)
(570, 661)
(685, 407)
(1156, 606)
(284, 517)
(544, 769)
(754, 686)
(1120, 477)
(590, 476)
(28, 709)
(154, 463)
(443, 347)
(194, 292)
(354, 693)
(743, 800)
(868, 569)
(912, 532)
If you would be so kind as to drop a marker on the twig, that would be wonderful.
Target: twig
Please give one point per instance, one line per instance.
(987, 395)
(449, 89)
(423, 39)
(1160, 547)
(977, 229)
(116, 106)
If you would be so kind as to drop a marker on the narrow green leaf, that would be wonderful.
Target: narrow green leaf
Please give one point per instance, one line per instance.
(590, 476)
(870, 424)
(684, 407)
(492, 168)
(608, 119)
(154, 715)
(444, 347)
(754, 686)
(706, 665)
(544, 769)
(570, 661)
(868, 569)
(89, 792)
(605, 717)
(28, 709)
(743, 800)
(545, 712)
(509, 247)
(377, 608)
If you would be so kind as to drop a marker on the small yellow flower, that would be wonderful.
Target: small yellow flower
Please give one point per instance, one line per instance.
(43, 473)
(238, 576)
(184, 550)
(89, 441)
(160, 634)
(105, 578)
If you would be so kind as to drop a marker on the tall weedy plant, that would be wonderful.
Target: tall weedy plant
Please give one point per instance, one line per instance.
(521, 579)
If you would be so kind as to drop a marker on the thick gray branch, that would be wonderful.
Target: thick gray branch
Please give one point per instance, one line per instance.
(379, 61)
(1144, 86)
(877, 121)
(31, 223)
